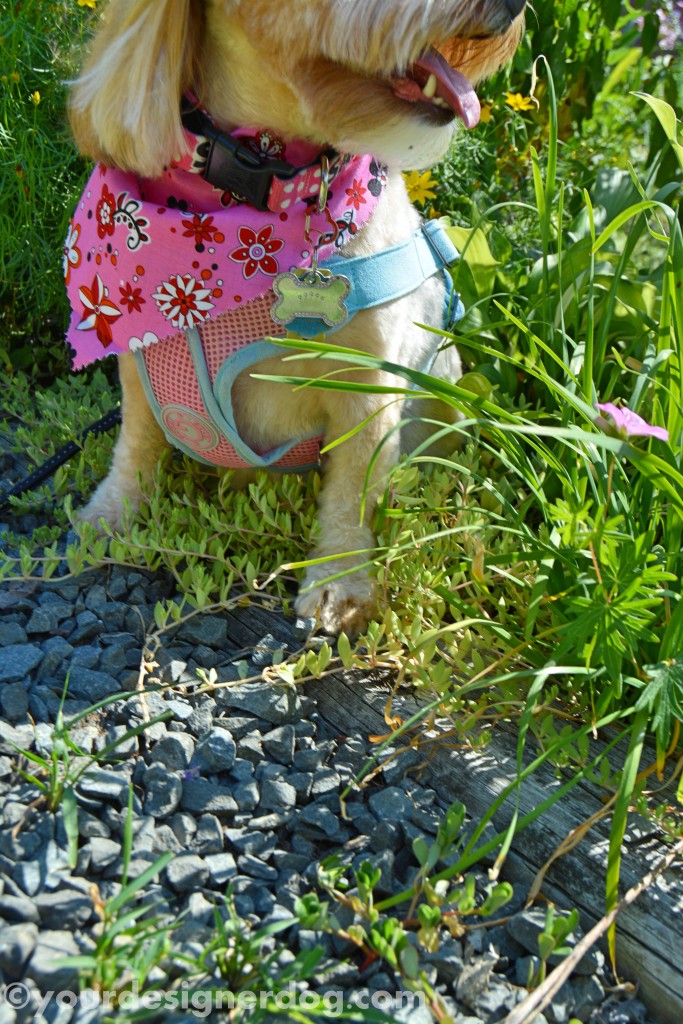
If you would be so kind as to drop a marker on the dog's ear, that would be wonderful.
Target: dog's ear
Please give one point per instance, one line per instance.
(125, 105)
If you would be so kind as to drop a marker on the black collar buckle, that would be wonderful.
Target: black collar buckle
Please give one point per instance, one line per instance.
(232, 167)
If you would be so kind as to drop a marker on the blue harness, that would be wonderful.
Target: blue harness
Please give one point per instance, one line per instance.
(374, 280)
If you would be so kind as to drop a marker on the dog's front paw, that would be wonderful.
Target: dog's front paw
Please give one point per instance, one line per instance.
(343, 605)
(110, 504)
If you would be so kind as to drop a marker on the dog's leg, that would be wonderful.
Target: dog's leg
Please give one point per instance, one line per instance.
(345, 510)
(140, 443)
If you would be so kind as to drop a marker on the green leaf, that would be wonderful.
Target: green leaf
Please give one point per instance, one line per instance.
(70, 818)
(662, 698)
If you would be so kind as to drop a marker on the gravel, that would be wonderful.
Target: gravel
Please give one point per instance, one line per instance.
(242, 785)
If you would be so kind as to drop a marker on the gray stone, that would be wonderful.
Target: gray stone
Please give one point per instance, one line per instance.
(122, 745)
(209, 835)
(310, 759)
(247, 796)
(499, 998)
(91, 685)
(56, 649)
(105, 784)
(12, 633)
(216, 752)
(16, 909)
(303, 627)
(65, 908)
(184, 828)
(266, 650)
(385, 836)
(182, 709)
(85, 656)
(279, 744)
(276, 703)
(114, 660)
(250, 749)
(203, 797)
(51, 949)
(87, 627)
(17, 942)
(250, 840)
(163, 791)
(584, 993)
(205, 629)
(43, 620)
(319, 820)
(222, 868)
(166, 839)
(448, 961)
(14, 701)
(187, 872)
(89, 825)
(391, 804)
(200, 722)
(303, 784)
(18, 660)
(256, 868)
(276, 795)
(242, 770)
(326, 780)
(103, 852)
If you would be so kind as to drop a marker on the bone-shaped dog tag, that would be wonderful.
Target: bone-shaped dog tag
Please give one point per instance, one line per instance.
(314, 294)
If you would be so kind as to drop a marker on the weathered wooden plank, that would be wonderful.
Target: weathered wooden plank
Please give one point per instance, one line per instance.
(650, 932)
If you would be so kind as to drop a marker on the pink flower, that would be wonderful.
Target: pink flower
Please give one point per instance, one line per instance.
(256, 251)
(629, 424)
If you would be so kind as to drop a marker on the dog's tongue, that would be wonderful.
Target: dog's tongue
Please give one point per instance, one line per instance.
(452, 86)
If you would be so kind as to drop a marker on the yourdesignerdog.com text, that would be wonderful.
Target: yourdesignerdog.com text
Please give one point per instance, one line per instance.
(202, 1002)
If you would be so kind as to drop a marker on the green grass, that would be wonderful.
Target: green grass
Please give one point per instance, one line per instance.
(536, 575)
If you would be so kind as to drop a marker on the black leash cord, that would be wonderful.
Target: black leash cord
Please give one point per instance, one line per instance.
(60, 457)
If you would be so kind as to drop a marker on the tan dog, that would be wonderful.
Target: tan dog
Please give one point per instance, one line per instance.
(352, 76)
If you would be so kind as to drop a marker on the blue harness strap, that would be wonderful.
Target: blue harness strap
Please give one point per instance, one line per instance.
(390, 274)
(374, 280)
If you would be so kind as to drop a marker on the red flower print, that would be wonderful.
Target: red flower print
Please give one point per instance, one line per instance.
(256, 251)
(203, 229)
(106, 208)
(131, 297)
(99, 310)
(356, 195)
(72, 254)
(182, 301)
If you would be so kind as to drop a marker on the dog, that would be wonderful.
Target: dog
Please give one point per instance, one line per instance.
(292, 121)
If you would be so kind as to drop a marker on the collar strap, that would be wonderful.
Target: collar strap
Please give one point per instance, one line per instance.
(263, 182)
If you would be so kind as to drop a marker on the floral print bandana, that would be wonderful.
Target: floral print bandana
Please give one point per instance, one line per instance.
(144, 259)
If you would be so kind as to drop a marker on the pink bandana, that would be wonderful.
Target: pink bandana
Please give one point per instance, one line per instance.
(146, 259)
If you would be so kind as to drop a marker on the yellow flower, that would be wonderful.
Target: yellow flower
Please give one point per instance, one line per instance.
(420, 186)
(87, 3)
(15, 76)
(486, 111)
(35, 97)
(519, 102)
